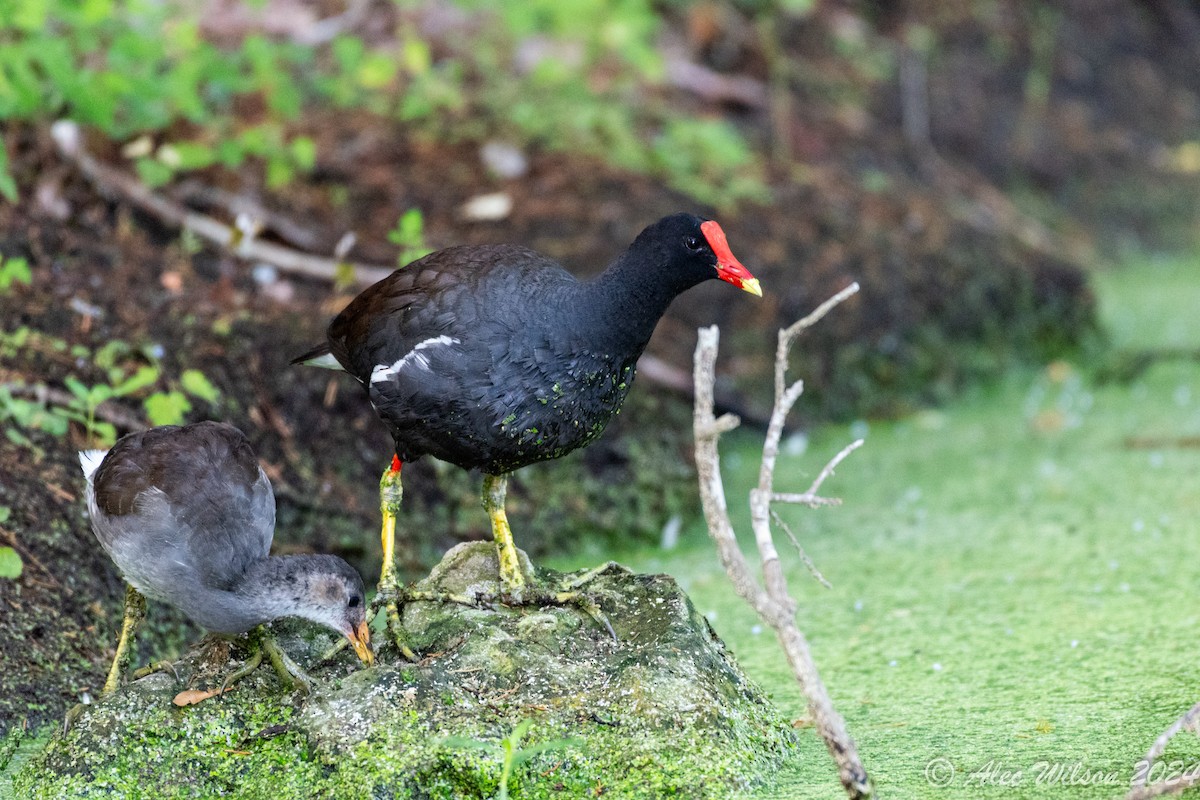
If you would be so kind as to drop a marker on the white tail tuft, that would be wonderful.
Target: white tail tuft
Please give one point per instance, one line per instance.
(90, 461)
(326, 361)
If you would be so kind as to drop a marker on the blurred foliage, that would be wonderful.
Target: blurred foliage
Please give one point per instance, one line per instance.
(409, 236)
(117, 370)
(139, 71)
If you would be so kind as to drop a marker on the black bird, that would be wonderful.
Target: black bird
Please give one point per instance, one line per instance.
(187, 515)
(492, 357)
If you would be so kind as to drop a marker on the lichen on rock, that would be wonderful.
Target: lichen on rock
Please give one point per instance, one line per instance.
(662, 711)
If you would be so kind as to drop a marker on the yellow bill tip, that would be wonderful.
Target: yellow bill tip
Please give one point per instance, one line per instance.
(360, 640)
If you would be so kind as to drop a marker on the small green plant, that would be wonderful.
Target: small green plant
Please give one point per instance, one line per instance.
(125, 373)
(409, 236)
(13, 270)
(513, 754)
(11, 565)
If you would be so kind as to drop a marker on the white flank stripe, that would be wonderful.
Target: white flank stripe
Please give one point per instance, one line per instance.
(90, 461)
(382, 371)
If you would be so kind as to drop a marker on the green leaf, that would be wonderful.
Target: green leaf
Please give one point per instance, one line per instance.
(526, 753)
(8, 186)
(5, 513)
(376, 71)
(18, 438)
(464, 743)
(304, 151)
(153, 172)
(279, 173)
(99, 393)
(195, 383)
(111, 352)
(104, 434)
(166, 408)
(193, 155)
(145, 376)
(11, 565)
(76, 387)
(14, 270)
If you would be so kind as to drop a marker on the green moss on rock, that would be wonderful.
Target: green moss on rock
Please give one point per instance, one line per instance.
(662, 712)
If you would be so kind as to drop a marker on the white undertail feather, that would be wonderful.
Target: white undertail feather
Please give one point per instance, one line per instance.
(326, 361)
(90, 460)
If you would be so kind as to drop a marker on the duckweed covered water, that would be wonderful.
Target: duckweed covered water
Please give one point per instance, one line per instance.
(1014, 604)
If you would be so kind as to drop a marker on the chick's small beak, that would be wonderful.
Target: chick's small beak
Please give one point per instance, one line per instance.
(360, 640)
(729, 269)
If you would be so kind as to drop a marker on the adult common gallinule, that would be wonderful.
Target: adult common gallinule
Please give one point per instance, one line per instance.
(494, 356)
(188, 515)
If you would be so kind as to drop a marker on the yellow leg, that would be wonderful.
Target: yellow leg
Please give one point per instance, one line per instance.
(135, 612)
(388, 590)
(512, 580)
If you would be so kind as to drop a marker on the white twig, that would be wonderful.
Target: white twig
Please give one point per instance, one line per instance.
(833, 464)
(771, 599)
(69, 140)
(818, 313)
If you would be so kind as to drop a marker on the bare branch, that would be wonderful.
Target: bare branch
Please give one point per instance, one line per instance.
(808, 562)
(806, 499)
(771, 600)
(712, 488)
(722, 424)
(815, 316)
(69, 140)
(712, 86)
(832, 465)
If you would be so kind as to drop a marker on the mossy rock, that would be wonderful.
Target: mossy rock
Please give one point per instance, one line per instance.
(662, 711)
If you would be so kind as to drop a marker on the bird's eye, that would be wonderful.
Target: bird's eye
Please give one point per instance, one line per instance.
(692, 243)
(355, 601)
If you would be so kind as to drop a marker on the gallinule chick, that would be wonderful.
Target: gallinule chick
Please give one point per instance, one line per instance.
(187, 515)
(492, 357)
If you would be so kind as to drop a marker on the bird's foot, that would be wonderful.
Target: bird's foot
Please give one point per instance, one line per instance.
(390, 599)
(157, 666)
(530, 595)
(571, 584)
(72, 716)
(289, 672)
(251, 664)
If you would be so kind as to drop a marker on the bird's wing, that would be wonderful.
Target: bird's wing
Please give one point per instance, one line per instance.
(191, 497)
(230, 512)
(439, 294)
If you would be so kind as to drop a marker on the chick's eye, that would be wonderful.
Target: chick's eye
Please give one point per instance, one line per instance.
(355, 601)
(691, 243)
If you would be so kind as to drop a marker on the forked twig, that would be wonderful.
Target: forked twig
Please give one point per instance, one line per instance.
(771, 599)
